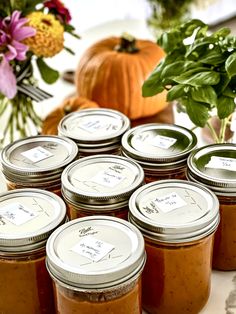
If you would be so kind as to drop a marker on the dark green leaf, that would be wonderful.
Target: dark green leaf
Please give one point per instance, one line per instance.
(223, 32)
(189, 27)
(200, 45)
(201, 78)
(204, 94)
(225, 107)
(230, 65)
(48, 74)
(229, 92)
(213, 57)
(169, 40)
(176, 92)
(176, 68)
(69, 50)
(197, 112)
(224, 81)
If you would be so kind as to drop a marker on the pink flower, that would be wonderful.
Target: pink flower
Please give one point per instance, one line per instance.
(12, 32)
(7, 80)
(58, 8)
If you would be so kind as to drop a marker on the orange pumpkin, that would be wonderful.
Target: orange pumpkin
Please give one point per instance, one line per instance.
(111, 73)
(71, 104)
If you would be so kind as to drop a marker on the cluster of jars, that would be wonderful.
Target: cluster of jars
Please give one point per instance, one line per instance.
(105, 218)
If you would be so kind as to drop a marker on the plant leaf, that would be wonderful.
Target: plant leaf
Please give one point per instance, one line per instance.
(201, 78)
(213, 57)
(225, 106)
(48, 74)
(152, 85)
(230, 65)
(176, 68)
(204, 94)
(197, 112)
(176, 92)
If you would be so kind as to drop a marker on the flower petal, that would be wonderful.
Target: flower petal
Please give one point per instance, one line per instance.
(23, 32)
(7, 80)
(11, 53)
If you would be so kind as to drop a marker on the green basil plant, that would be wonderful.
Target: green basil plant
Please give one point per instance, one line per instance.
(199, 72)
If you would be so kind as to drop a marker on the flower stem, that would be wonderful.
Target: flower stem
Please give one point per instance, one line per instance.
(223, 130)
(213, 132)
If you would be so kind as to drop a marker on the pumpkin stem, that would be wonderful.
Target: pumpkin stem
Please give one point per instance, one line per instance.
(127, 44)
(67, 109)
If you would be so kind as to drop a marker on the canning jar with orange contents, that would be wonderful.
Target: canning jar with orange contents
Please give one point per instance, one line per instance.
(96, 265)
(215, 167)
(37, 162)
(95, 131)
(161, 149)
(28, 217)
(100, 185)
(177, 219)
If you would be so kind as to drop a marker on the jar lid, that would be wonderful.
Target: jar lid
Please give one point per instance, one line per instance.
(38, 158)
(174, 211)
(101, 180)
(94, 126)
(28, 217)
(161, 144)
(95, 252)
(214, 166)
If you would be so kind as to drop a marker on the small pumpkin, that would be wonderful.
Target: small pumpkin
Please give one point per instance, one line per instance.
(70, 104)
(111, 73)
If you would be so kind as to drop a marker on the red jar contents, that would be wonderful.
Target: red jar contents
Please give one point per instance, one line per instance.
(100, 184)
(178, 220)
(28, 217)
(95, 131)
(161, 149)
(215, 167)
(96, 265)
(37, 162)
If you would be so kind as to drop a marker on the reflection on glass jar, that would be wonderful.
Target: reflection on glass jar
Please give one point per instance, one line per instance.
(177, 219)
(215, 167)
(161, 149)
(37, 162)
(28, 217)
(96, 264)
(100, 184)
(95, 131)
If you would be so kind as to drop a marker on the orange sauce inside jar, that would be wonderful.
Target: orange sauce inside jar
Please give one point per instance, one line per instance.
(179, 173)
(224, 254)
(76, 212)
(25, 285)
(122, 300)
(176, 278)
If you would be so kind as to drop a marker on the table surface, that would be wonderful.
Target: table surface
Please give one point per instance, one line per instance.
(222, 298)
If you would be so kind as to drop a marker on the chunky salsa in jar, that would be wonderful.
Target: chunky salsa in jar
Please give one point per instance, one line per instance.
(96, 265)
(37, 162)
(215, 167)
(100, 185)
(177, 220)
(161, 149)
(27, 217)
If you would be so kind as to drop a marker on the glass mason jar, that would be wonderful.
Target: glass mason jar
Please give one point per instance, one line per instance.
(37, 162)
(100, 184)
(215, 166)
(177, 219)
(28, 217)
(96, 264)
(95, 131)
(161, 149)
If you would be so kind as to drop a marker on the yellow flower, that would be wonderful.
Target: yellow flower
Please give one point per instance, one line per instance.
(49, 38)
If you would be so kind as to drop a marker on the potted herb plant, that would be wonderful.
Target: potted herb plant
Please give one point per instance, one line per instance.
(198, 71)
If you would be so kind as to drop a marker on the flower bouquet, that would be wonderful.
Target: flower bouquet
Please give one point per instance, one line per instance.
(30, 31)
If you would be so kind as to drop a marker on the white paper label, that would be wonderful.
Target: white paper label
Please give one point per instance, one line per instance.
(95, 125)
(37, 154)
(108, 178)
(169, 202)
(162, 141)
(17, 214)
(92, 248)
(217, 162)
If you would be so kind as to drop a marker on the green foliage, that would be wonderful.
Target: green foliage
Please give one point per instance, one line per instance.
(199, 71)
(48, 74)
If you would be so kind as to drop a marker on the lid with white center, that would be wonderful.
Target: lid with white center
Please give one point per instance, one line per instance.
(214, 166)
(95, 252)
(174, 211)
(101, 126)
(101, 180)
(161, 146)
(28, 217)
(38, 158)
